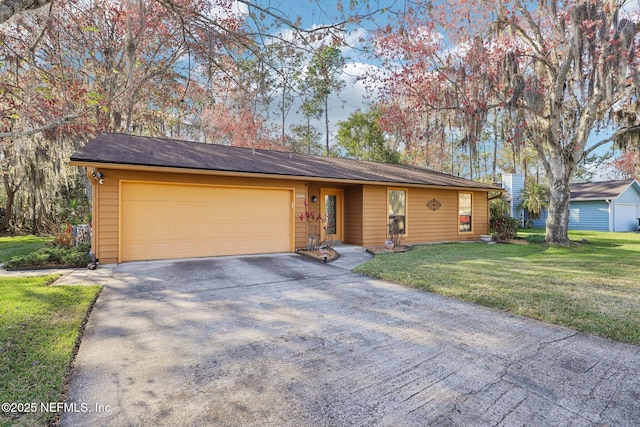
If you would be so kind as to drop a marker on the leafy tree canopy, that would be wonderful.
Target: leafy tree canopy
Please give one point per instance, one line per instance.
(550, 73)
(362, 138)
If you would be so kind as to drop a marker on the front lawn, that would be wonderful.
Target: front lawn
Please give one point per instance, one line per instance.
(20, 246)
(51, 257)
(40, 327)
(593, 286)
(32, 252)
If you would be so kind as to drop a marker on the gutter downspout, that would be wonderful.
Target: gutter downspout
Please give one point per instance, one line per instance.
(611, 216)
(94, 220)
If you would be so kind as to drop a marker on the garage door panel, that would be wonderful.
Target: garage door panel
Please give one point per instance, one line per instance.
(626, 217)
(160, 221)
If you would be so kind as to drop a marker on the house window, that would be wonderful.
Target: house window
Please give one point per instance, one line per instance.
(398, 210)
(464, 212)
(330, 213)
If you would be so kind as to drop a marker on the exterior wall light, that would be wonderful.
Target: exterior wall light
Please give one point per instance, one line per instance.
(98, 176)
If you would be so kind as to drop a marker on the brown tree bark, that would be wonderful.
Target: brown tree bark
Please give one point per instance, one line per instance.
(11, 191)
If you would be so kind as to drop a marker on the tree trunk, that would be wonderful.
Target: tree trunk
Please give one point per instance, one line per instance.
(557, 224)
(284, 115)
(11, 195)
(494, 165)
(326, 121)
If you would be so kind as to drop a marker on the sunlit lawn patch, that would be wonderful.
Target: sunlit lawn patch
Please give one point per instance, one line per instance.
(39, 328)
(20, 245)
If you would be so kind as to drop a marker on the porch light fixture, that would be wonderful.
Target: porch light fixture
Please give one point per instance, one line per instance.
(314, 199)
(98, 176)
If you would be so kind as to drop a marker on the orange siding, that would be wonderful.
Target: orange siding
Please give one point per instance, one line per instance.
(107, 226)
(302, 194)
(365, 209)
(423, 224)
(426, 225)
(312, 189)
(353, 215)
(481, 214)
(376, 215)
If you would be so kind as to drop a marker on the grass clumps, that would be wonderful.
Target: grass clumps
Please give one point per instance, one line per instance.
(40, 328)
(51, 257)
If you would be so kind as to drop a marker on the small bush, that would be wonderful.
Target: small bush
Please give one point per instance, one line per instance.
(504, 227)
(535, 238)
(55, 256)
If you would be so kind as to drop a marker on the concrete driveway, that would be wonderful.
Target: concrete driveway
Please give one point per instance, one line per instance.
(281, 341)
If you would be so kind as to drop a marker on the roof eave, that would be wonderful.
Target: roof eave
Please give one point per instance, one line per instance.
(210, 172)
(591, 199)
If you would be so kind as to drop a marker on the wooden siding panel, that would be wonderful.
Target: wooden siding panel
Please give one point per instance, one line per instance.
(106, 220)
(374, 226)
(302, 195)
(540, 222)
(631, 196)
(426, 225)
(301, 225)
(591, 215)
(480, 214)
(366, 210)
(353, 215)
(514, 184)
(423, 224)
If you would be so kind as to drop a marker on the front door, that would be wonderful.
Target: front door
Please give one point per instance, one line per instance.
(332, 213)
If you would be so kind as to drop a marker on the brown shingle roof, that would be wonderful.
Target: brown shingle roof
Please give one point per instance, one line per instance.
(599, 190)
(122, 149)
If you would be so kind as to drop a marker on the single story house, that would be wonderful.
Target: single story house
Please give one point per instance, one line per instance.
(602, 206)
(157, 198)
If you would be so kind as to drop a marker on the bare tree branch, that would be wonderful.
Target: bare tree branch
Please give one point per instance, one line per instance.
(635, 129)
(66, 120)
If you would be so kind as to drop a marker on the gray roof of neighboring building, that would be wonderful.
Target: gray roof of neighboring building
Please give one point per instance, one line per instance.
(123, 149)
(599, 190)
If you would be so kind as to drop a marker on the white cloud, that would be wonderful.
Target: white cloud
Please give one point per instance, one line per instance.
(237, 10)
(359, 88)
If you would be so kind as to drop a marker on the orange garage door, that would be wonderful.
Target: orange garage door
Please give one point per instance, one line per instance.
(161, 221)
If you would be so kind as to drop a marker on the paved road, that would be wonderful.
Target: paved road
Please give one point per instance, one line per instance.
(281, 341)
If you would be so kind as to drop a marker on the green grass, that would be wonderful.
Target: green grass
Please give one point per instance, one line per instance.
(39, 328)
(24, 252)
(51, 257)
(593, 287)
(20, 246)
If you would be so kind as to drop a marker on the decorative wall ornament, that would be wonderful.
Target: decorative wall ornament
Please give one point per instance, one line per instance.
(434, 204)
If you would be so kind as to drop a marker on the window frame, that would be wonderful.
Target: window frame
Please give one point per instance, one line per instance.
(406, 208)
(459, 215)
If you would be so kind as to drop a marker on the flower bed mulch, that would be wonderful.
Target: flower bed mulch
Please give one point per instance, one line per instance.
(319, 254)
(383, 250)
